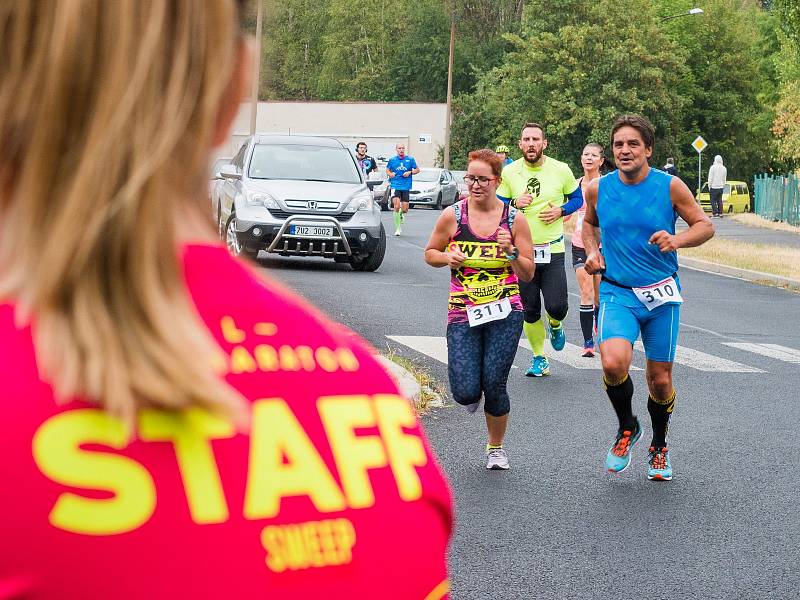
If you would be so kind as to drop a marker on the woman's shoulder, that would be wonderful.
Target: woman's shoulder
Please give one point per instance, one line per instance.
(241, 305)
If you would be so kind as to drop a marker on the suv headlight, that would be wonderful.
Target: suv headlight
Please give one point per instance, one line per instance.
(360, 202)
(262, 199)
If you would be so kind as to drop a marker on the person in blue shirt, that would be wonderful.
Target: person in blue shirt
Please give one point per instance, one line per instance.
(632, 211)
(400, 169)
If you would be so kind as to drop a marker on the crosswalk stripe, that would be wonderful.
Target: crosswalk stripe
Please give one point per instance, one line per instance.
(435, 347)
(432, 346)
(570, 355)
(706, 362)
(776, 351)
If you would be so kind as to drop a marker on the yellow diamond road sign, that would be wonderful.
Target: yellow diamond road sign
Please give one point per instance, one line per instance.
(699, 144)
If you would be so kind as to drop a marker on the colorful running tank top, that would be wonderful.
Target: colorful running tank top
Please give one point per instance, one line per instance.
(486, 274)
(628, 216)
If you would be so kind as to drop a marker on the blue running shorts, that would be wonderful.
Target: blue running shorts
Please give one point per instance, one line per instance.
(658, 327)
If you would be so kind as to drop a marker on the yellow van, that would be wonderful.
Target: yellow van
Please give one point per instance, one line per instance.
(735, 197)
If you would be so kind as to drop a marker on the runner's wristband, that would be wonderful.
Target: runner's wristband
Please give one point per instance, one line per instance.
(514, 255)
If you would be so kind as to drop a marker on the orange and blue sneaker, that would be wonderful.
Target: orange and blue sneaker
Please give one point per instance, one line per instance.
(619, 455)
(659, 468)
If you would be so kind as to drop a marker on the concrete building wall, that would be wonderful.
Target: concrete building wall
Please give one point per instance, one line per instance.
(381, 125)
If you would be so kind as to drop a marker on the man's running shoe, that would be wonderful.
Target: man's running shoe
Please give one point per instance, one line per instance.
(557, 337)
(397, 231)
(659, 467)
(497, 459)
(619, 455)
(540, 367)
(588, 349)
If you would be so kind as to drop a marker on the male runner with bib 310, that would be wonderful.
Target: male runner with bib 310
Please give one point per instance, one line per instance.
(633, 211)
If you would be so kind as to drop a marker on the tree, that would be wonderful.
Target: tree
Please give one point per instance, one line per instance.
(575, 70)
(292, 49)
(786, 126)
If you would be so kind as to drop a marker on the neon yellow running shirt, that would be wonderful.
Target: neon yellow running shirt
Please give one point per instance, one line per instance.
(548, 183)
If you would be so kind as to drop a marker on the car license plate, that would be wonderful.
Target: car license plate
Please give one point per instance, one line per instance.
(311, 231)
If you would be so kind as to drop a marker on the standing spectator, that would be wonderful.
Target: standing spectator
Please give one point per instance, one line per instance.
(717, 175)
(366, 163)
(173, 423)
(670, 167)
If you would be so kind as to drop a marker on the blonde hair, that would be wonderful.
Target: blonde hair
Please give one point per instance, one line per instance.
(107, 113)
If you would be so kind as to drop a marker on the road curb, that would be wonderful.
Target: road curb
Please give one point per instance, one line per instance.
(408, 384)
(746, 274)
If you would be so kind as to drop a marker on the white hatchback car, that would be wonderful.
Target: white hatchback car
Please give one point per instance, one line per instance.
(433, 187)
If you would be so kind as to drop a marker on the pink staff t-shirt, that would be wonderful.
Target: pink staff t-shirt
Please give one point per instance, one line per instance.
(334, 492)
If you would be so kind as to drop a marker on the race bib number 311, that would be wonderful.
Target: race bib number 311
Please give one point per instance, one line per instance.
(656, 294)
(486, 313)
(541, 254)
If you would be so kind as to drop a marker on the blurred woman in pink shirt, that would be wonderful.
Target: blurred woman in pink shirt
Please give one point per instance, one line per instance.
(592, 160)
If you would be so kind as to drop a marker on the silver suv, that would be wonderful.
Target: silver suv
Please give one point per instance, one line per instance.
(299, 196)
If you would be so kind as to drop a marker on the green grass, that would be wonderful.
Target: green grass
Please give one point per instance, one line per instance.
(757, 221)
(765, 258)
(430, 390)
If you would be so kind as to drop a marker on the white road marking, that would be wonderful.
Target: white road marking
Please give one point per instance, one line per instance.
(570, 355)
(776, 351)
(432, 346)
(435, 347)
(703, 329)
(706, 362)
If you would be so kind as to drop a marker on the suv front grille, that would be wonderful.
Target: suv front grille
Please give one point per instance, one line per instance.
(283, 214)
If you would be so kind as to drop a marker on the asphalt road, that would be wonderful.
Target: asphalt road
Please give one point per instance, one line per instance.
(557, 525)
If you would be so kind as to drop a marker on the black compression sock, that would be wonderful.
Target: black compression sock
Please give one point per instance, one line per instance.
(596, 315)
(621, 395)
(587, 321)
(660, 412)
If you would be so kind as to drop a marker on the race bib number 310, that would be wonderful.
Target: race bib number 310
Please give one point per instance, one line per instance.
(656, 294)
(486, 313)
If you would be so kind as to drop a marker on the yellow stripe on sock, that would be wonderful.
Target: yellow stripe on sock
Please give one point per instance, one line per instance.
(607, 383)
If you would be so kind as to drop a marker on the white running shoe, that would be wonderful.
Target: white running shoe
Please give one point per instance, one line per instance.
(497, 459)
(397, 231)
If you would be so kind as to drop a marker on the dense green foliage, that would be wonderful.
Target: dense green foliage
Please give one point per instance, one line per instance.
(787, 65)
(379, 50)
(731, 74)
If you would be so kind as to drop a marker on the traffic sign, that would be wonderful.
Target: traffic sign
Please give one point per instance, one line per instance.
(699, 144)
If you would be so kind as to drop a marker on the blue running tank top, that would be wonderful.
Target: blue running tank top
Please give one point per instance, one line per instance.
(628, 216)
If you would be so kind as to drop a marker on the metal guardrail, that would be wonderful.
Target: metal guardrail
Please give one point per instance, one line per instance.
(335, 240)
(777, 198)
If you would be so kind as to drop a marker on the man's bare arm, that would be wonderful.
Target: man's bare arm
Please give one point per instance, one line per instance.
(700, 227)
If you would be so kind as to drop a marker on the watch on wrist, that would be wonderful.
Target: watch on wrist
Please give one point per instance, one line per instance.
(514, 254)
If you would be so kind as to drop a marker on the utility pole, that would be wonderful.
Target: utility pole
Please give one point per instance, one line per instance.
(256, 69)
(449, 85)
